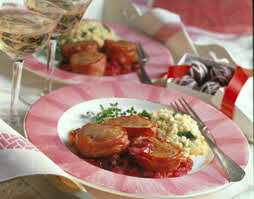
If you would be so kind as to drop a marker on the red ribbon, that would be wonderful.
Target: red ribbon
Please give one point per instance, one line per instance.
(178, 71)
(232, 91)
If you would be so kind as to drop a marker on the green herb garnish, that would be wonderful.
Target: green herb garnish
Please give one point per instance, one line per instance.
(144, 113)
(187, 134)
(131, 111)
(113, 112)
(83, 34)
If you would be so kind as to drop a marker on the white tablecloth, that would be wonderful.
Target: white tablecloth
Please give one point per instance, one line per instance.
(37, 187)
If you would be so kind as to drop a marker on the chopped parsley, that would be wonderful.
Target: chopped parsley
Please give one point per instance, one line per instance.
(187, 134)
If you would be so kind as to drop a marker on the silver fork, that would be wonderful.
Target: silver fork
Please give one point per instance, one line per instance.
(233, 171)
(143, 59)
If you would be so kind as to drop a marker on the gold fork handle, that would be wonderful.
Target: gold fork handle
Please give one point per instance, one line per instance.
(233, 171)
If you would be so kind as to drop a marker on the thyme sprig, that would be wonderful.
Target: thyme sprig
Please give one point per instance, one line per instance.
(113, 112)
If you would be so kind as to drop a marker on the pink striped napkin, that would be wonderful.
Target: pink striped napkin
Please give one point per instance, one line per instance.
(21, 158)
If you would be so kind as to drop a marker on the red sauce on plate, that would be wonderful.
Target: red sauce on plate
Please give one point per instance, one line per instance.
(124, 164)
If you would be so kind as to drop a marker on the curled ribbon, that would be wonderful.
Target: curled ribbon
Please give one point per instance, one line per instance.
(232, 91)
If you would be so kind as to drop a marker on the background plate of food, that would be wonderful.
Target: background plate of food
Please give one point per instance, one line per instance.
(101, 51)
(124, 139)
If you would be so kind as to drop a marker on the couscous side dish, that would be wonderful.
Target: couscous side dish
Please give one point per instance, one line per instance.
(181, 130)
(89, 31)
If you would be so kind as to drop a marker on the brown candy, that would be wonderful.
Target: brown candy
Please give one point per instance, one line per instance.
(221, 74)
(198, 71)
(186, 81)
(210, 87)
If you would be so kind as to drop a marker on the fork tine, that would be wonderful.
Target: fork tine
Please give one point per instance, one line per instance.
(196, 117)
(173, 106)
(192, 111)
(178, 108)
(184, 107)
(142, 51)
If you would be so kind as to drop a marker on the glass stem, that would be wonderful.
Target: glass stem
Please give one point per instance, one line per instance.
(15, 90)
(51, 52)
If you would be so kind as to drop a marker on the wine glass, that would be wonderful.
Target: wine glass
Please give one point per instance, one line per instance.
(73, 11)
(22, 32)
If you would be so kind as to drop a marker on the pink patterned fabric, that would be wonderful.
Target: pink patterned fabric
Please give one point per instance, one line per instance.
(10, 141)
(160, 59)
(41, 127)
(222, 16)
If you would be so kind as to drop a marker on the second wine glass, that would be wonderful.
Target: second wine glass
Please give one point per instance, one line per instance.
(71, 12)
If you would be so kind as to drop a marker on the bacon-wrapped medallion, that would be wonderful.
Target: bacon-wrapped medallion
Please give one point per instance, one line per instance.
(88, 63)
(155, 154)
(85, 46)
(135, 125)
(124, 52)
(100, 140)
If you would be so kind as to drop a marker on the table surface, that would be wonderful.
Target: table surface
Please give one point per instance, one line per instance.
(37, 187)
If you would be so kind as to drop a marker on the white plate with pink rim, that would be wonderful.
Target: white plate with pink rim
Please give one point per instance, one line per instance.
(159, 59)
(49, 120)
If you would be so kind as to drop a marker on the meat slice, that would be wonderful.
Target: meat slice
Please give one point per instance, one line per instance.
(85, 46)
(135, 125)
(124, 52)
(88, 63)
(155, 154)
(100, 140)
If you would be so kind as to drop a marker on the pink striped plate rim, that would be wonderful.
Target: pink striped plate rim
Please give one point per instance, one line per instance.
(160, 59)
(41, 127)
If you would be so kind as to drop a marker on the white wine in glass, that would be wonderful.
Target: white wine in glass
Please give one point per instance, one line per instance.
(72, 12)
(22, 32)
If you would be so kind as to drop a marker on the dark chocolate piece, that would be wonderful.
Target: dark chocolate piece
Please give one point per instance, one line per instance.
(186, 81)
(198, 71)
(221, 74)
(210, 87)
